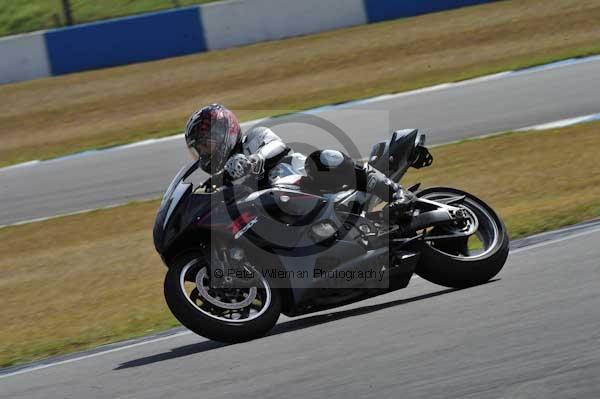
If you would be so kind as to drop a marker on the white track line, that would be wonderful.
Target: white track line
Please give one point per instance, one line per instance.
(20, 165)
(555, 240)
(563, 123)
(75, 359)
(176, 335)
(65, 214)
(544, 126)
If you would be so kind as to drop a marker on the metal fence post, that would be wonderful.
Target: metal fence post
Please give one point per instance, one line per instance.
(67, 12)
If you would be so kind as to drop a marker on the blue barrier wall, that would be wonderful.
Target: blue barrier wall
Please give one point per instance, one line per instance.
(381, 10)
(125, 40)
(190, 30)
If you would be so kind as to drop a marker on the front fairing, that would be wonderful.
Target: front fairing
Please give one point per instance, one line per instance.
(173, 214)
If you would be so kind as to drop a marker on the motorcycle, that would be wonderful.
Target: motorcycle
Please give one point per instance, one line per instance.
(237, 257)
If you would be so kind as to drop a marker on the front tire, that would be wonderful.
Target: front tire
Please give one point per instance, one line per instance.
(198, 316)
(452, 263)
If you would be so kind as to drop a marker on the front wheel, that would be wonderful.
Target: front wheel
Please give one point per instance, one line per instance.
(463, 261)
(227, 315)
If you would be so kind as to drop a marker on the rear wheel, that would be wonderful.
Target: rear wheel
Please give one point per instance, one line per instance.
(223, 314)
(463, 261)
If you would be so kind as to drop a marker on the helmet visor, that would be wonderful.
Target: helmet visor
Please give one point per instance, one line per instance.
(202, 145)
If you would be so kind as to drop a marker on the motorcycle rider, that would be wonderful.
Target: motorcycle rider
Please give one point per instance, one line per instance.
(214, 137)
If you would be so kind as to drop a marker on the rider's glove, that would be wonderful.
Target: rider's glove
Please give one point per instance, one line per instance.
(240, 165)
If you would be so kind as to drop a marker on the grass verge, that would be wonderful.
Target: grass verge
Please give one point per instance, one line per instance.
(50, 117)
(18, 16)
(79, 281)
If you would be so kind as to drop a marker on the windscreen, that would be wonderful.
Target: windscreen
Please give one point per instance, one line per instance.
(183, 173)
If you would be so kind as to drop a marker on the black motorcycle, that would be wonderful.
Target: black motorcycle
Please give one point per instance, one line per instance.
(238, 256)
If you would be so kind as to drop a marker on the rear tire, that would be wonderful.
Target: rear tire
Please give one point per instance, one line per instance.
(210, 327)
(442, 267)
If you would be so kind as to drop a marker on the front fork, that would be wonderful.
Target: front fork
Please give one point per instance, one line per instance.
(229, 268)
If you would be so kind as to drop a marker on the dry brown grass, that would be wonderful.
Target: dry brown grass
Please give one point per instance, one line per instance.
(78, 281)
(54, 116)
(83, 280)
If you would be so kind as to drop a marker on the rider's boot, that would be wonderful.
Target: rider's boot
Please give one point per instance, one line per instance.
(401, 201)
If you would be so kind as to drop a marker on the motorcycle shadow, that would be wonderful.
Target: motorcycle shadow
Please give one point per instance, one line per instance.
(281, 328)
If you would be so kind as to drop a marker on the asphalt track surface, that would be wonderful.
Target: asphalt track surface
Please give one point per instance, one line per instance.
(481, 106)
(533, 332)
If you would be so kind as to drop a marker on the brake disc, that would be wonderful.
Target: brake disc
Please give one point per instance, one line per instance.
(203, 292)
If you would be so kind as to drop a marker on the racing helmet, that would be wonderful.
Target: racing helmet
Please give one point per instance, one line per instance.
(211, 134)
